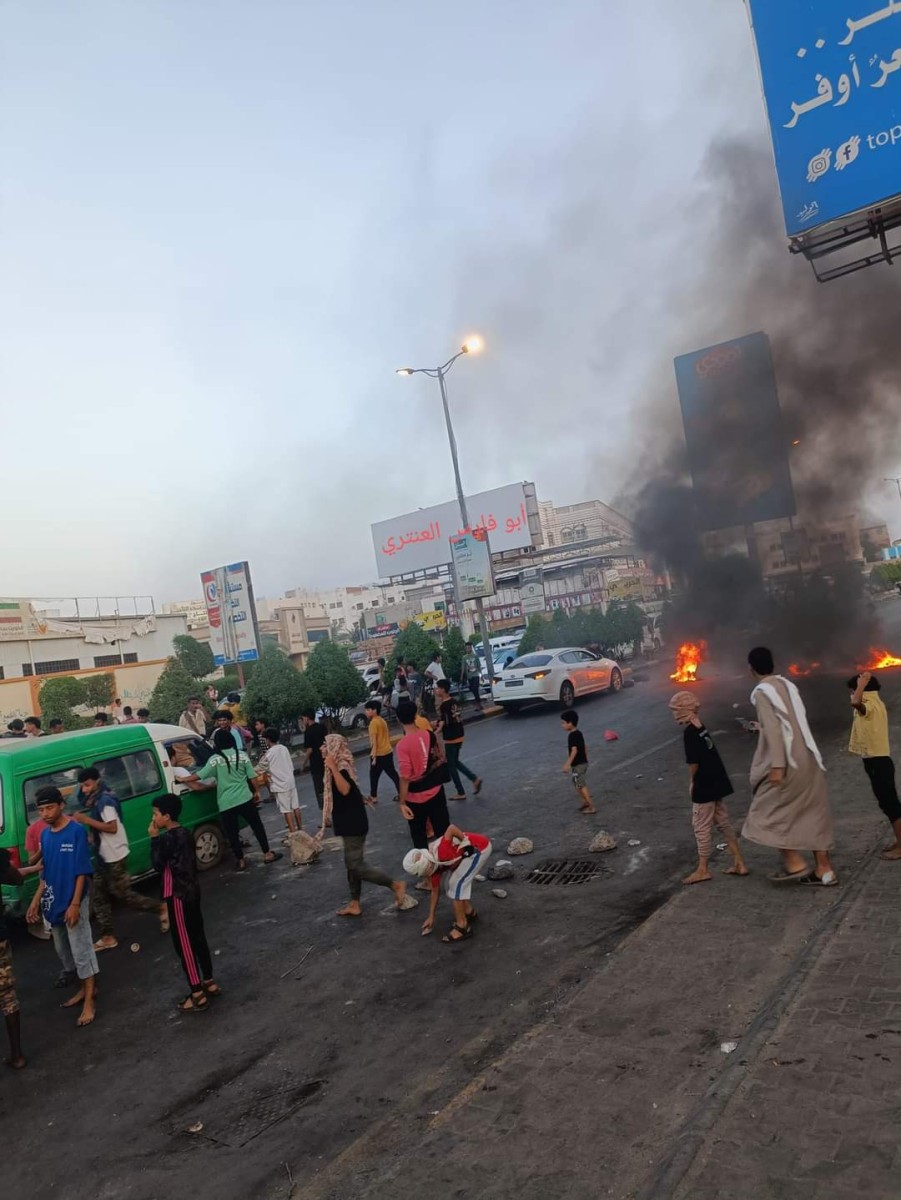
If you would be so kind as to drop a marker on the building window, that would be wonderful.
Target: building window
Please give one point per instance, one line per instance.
(107, 660)
(55, 667)
(130, 658)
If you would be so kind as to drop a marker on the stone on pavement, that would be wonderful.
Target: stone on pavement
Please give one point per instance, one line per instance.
(302, 848)
(500, 893)
(601, 842)
(521, 845)
(502, 869)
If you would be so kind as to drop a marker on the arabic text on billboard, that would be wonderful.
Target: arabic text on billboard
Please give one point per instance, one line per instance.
(471, 558)
(228, 594)
(832, 81)
(737, 447)
(419, 541)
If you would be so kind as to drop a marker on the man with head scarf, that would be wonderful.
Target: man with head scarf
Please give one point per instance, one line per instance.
(790, 807)
(708, 787)
(345, 808)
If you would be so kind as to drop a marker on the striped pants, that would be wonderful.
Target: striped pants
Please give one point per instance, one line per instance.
(189, 939)
(703, 819)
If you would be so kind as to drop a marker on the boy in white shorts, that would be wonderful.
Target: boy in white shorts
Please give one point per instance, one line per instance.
(460, 856)
(279, 766)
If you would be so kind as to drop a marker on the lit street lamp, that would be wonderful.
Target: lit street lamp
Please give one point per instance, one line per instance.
(472, 345)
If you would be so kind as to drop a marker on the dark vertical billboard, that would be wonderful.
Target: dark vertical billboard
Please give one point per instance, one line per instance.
(738, 450)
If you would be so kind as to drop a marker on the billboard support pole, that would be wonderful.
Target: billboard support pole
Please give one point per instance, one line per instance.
(461, 499)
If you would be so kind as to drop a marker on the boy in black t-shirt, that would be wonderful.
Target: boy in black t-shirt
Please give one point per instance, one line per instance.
(710, 784)
(577, 761)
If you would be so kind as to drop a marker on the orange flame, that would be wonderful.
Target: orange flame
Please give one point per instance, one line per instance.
(689, 658)
(880, 659)
(801, 672)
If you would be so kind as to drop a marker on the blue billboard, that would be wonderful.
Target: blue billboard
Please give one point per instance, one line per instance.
(737, 447)
(832, 82)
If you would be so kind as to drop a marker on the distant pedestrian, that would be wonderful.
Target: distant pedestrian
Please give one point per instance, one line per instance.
(433, 673)
(423, 773)
(790, 808)
(194, 717)
(450, 726)
(258, 729)
(345, 810)
(117, 712)
(128, 715)
(173, 855)
(278, 767)
(56, 726)
(64, 897)
(472, 670)
(101, 720)
(461, 857)
(232, 771)
(224, 719)
(9, 1002)
(143, 715)
(15, 728)
(101, 813)
(577, 760)
(708, 788)
(401, 689)
(314, 735)
(33, 727)
(870, 740)
(381, 754)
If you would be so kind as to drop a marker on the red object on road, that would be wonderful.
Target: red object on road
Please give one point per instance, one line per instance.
(610, 736)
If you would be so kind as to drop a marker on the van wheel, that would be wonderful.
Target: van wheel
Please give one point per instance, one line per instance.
(567, 695)
(209, 846)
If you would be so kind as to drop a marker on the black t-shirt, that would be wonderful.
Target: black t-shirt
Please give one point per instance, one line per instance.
(349, 812)
(711, 781)
(452, 718)
(576, 741)
(313, 737)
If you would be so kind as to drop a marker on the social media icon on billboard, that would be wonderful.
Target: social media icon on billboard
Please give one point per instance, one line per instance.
(847, 152)
(819, 165)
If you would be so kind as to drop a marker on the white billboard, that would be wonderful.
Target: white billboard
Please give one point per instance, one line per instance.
(471, 561)
(531, 591)
(420, 541)
(228, 594)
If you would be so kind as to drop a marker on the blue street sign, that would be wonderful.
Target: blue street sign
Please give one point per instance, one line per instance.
(832, 83)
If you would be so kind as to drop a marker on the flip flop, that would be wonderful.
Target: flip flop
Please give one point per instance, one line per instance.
(830, 879)
(267, 862)
(792, 876)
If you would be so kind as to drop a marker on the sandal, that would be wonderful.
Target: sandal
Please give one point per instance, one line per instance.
(212, 989)
(275, 857)
(472, 915)
(463, 930)
(792, 876)
(193, 1003)
(477, 787)
(830, 879)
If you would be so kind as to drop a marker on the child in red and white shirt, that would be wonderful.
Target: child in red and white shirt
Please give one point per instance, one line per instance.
(460, 856)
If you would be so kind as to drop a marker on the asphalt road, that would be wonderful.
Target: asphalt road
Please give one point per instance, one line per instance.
(294, 1065)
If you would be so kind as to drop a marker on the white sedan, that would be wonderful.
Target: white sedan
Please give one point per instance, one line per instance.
(555, 676)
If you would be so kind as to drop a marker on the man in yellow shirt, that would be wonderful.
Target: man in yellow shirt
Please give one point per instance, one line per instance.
(381, 755)
(869, 740)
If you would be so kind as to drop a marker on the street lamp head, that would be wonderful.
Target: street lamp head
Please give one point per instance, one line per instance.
(404, 371)
(473, 344)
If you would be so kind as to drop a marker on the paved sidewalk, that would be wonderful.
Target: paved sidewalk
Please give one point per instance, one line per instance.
(625, 1091)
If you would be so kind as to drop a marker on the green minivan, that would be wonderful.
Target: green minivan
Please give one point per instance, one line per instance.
(135, 761)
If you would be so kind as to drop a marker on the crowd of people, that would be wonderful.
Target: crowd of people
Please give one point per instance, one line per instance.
(82, 856)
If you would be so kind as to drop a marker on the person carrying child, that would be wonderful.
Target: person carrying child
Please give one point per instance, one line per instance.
(709, 786)
(460, 856)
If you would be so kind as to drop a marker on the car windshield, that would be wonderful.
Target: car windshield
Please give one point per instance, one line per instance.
(531, 660)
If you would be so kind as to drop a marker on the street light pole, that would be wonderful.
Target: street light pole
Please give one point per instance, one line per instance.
(439, 373)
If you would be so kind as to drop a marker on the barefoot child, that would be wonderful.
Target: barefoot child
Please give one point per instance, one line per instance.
(173, 855)
(709, 785)
(344, 807)
(869, 740)
(461, 856)
(577, 762)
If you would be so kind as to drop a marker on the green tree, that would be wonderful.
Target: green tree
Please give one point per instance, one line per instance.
(415, 646)
(559, 632)
(536, 634)
(277, 692)
(99, 691)
(452, 653)
(884, 577)
(59, 697)
(173, 689)
(334, 679)
(196, 657)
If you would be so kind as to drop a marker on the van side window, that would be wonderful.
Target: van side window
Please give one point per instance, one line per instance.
(192, 753)
(130, 775)
(65, 779)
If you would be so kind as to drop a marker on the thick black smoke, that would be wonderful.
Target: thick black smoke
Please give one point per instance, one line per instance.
(837, 354)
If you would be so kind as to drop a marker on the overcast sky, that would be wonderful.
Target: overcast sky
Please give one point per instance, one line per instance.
(225, 224)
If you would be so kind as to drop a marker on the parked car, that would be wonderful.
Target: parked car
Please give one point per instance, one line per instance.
(135, 761)
(370, 675)
(555, 676)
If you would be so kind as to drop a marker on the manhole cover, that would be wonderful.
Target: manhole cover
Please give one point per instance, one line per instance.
(238, 1112)
(564, 871)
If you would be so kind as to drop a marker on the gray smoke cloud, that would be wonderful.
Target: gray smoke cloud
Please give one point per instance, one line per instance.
(837, 356)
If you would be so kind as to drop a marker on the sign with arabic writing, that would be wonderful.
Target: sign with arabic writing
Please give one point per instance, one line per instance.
(232, 614)
(419, 541)
(471, 562)
(737, 446)
(831, 74)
